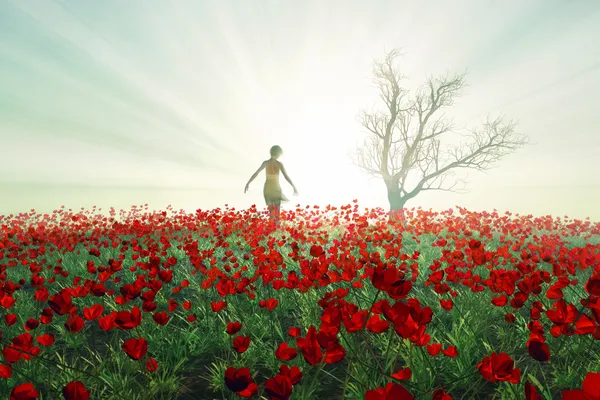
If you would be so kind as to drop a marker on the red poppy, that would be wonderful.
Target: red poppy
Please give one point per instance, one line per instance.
(377, 325)
(218, 305)
(93, 312)
(531, 392)
(499, 367)
(439, 394)
(592, 286)
(392, 391)
(233, 328)
(293, 373)
(446, 304)
(434, 349)
(24, 391)
(31, 324)
(74, 324)
(10, 319)
(5, 371)
(161, 318)
(285, 353)
(192, 317)
(135, 348)
(61, 303)
(356, 322)
(590, 389)
(450, 352)
(108, 321)
(240, 382)
(270, 304)
(21, 348)
(538, 350)
(510, 318)
(279, 387)
(45, 339)
(172, 304)
(241, 343)
(334, 353)
(127, 320)
(75, 390)
(151, 365)
(311, 350)
(316, 251)
(403, 374)
(294, 331)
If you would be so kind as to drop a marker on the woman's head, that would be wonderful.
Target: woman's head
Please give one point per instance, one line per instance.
(276, 151)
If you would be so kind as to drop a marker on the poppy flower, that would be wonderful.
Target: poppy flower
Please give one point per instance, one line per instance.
(403, 374)
(233, 328)
(311, 350)
(24, 391)
(538, 350)
(241, 343)
(218, 305)
(377, 325)
(61, 303)
(5, 371)
(75, 390)
(10, 319)
(392, 391)
(240, 382)
(271, 304)
(151, 365)
(279, 387)
(293, 373)
(334, 353)
(74, 324)
(161, 318)
(434, 349)
(45, 339)
(127, 320)
(499, 368)
(439, 394)
(531, 392)
(592, 286)
(135, 348)
(590, 389)
(446, 304)
(285, 353)
(93, 312)
(450, 352)
(294, 331)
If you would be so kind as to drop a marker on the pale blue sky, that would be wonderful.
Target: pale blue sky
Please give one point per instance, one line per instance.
(178, 102)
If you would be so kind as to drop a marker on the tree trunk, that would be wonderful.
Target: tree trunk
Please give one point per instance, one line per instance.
(397, 203)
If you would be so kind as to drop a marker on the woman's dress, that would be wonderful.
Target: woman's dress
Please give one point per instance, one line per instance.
(272, 191)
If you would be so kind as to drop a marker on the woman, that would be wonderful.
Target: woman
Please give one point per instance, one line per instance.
(272, 189)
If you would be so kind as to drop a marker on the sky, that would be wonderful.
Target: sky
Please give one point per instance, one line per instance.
(120, 103)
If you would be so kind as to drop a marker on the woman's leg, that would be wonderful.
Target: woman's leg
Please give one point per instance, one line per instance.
(277, 211)
(271, 207)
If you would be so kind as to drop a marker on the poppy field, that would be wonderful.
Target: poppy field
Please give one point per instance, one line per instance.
(335, 304)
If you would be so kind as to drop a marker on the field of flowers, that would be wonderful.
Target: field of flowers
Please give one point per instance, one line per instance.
(334, 305)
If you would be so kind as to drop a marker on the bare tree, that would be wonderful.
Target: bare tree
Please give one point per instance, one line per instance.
(406, 138)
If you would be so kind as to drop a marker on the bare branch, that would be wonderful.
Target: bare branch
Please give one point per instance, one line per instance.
(374, 123)
(408, 135)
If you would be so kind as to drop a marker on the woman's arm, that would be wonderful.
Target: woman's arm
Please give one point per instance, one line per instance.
(262, 166)
(287, 178)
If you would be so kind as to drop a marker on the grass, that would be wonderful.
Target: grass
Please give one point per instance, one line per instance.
(193, 356)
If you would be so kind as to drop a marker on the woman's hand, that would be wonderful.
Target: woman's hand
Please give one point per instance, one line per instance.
(246, 188)
(295, 191)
